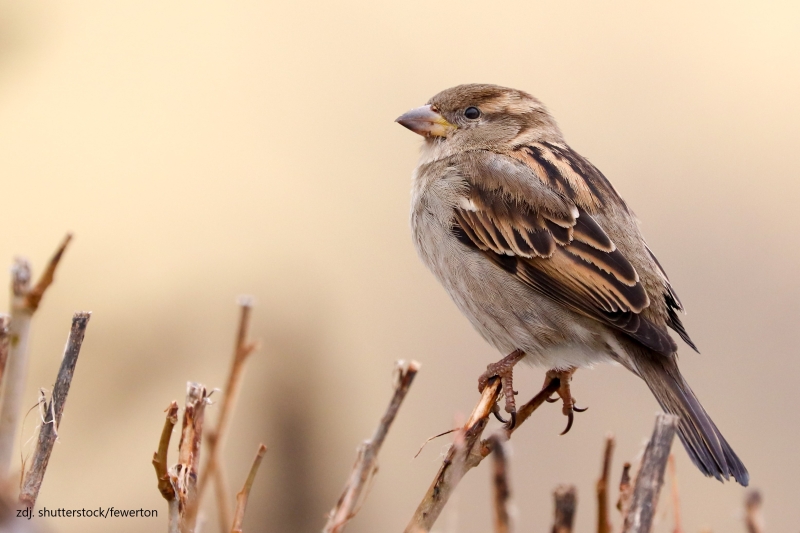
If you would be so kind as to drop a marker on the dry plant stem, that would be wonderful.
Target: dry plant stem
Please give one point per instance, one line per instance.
(16, 372)
(183, 475)
(625, 491)
(502, 493)
(160, 457)
(753, 518)
(34, 296)
(243, 348)
(566, 500)
(53, 412)
(651, 476)
(244, 494)
(603, 519)
(4, 343)
(25, 301)
(367, 456)
(457, 463)
(676, 501)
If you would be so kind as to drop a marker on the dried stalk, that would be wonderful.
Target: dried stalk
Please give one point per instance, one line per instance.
(53, 412)
(676, 500)
(25, 301)
(160, 457)
(651, 476)
(753, 517)
(603, 518)
(244, 494)
(367, 457)
(625, 491)
(4, 343)
(184, 474)
(457, 463)
(502, 492)
(243, 348)
(566, 500)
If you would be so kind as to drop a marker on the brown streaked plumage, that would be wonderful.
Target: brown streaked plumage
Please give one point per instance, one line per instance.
(543, 256)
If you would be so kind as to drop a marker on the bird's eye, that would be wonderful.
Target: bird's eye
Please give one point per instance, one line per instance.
(472, 113)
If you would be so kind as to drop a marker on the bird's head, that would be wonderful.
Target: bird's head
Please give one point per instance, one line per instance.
(482, 117)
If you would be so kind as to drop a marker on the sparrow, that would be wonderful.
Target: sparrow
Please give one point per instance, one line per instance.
(546, 260)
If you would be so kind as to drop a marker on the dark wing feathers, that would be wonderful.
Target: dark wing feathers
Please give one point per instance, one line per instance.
(673, 304)
(566, 256)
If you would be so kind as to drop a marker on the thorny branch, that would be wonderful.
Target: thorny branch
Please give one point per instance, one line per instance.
(461, 459)
(366, 461)
(53, 411)
(243, 495)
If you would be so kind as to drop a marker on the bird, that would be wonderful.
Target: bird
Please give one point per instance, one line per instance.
(544, 257)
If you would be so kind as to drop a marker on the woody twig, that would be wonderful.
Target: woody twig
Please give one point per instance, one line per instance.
(566, 500)
(183, 475)
(25, 300)
(48, 432)
(460, 459)
(500, 486)
(367, 456)
(243, 495)
(603, 519)
(650, 478)
(215, 472)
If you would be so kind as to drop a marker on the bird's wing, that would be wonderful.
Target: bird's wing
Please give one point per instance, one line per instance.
(562, 253)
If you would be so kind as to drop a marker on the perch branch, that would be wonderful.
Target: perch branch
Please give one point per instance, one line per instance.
(243, 348)
(502, 492)
(753, 518)
(53, 412)
(244, 494)
(651, 476)
(566, 500)
(183, 475)
(367, 457)
(603, 519)
(160, 457)
(461, 459)
(24, 303)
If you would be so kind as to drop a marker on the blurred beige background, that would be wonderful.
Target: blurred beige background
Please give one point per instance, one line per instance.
(203, 150)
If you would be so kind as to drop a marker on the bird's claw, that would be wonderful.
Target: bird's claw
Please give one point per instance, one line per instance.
(565, 395)
(504, 371)
(496, 413)
(570, 419)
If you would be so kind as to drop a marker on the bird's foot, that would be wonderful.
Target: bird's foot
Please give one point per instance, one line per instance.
(564, 377)
(503, 370)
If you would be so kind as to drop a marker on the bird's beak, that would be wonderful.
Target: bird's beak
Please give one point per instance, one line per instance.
(426, 122)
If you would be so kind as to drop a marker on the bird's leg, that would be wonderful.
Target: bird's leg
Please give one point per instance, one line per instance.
(504, 370)
(565, 393)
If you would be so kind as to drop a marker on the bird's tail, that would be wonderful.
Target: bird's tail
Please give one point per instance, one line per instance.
(706, 446)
